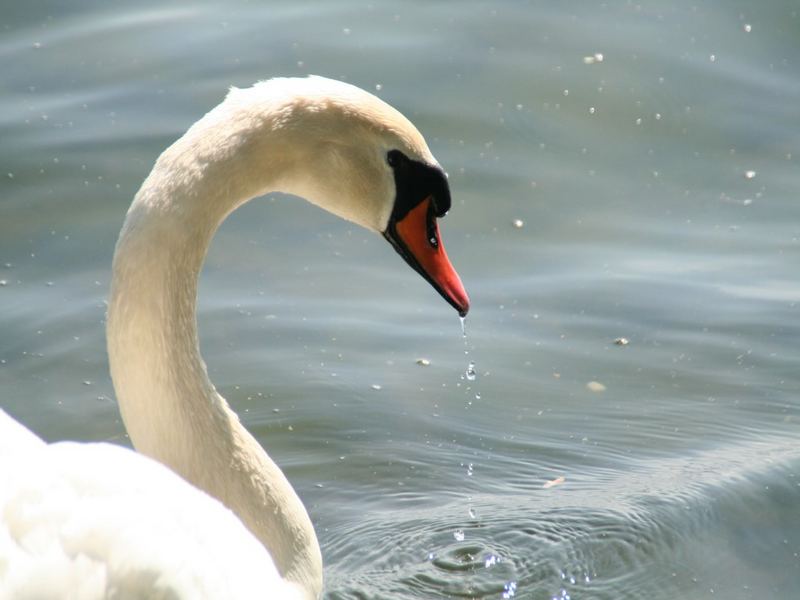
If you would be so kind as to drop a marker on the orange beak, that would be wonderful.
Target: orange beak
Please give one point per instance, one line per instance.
(416, 239)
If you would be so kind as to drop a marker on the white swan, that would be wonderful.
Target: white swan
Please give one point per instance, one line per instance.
(113, 523)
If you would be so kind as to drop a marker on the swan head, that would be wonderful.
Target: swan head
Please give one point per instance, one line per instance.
(353, 154)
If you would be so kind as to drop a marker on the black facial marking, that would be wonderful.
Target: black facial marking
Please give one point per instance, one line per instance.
(415, 181)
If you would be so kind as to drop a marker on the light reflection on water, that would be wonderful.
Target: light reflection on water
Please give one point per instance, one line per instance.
(570, 229)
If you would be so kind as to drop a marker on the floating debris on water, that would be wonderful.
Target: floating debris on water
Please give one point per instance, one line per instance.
(554, 482)
(621, 341)
(518, 223)
(595, 386)
(423, 362)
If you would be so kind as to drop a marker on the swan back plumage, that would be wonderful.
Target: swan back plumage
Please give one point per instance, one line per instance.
(62, 534)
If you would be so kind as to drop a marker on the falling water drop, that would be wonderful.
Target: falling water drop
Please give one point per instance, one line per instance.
(470, 372)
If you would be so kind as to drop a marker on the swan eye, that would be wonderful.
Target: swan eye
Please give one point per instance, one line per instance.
(395, 158)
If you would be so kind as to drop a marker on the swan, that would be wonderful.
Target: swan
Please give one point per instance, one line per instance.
(200, 510)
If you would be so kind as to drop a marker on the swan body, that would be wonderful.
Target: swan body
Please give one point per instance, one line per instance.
(79, 521)
(329, 142)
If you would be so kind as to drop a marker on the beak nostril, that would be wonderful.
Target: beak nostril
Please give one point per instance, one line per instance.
(432, 229)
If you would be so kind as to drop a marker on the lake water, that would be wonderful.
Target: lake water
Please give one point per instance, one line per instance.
(653, 195)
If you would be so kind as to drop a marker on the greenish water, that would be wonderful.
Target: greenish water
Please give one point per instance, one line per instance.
(658, 194)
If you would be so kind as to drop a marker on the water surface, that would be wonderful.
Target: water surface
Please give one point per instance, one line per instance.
(655, 194)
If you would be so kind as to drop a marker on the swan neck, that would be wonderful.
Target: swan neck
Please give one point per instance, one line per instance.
(169, 406)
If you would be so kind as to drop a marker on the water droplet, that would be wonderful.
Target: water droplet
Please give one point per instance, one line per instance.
(469, 470)
(463, 327)
(747, 28)
(591, 110)
(713, 58)
(509, 589)
(471, 512)
(518, 223)
(458, 534)
(378, 87)
(376, 386)
(749, 174)
(470, 372)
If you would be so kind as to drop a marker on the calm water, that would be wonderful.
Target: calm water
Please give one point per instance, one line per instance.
(658, 194)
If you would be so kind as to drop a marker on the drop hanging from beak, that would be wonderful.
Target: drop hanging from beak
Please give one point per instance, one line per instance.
(416, 238)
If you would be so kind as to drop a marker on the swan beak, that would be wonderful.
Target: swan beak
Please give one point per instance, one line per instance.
(416, 238)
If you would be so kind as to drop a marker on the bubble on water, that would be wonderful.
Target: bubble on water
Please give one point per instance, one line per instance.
(378, 87)
(376, 387)
(458, 534)
(747, 28)
(518, 223)
(713, 58)
(750, 174)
